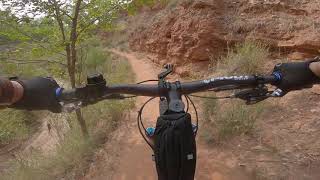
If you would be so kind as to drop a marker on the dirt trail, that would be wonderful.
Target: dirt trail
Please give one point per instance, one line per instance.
(126, 156)
(135, 158)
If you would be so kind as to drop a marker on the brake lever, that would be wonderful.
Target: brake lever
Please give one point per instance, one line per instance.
(229, 87)
(254, 95)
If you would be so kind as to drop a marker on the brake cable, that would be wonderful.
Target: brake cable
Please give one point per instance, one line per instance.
(140, 123)
(208, 97)
(196, 112)
(187, 100)
(150, 80)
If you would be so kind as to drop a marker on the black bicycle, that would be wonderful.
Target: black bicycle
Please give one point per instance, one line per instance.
(173, 140)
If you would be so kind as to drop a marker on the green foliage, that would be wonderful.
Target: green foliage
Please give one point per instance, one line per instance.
(134, 6)
(29, 47)
(28, 70)
(96, 58)
(246, 58)
(15, 125)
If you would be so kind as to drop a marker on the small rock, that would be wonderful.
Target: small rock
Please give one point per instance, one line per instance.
(257, 148)
(242, 164)
(287, 151)
(314, 110)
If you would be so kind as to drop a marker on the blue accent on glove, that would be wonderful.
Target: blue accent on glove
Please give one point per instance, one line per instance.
(278, 75)
(59, 92)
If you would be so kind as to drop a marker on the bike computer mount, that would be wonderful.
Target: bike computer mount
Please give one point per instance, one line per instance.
(170, 99)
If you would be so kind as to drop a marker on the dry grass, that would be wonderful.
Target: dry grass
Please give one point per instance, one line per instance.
(246, 58)
(15, 125)
(228, 119)
(232, 117)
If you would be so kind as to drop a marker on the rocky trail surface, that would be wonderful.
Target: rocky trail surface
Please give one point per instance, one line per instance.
(126, 156)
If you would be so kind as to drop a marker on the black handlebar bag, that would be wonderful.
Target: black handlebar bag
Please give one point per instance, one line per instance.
(175, 147)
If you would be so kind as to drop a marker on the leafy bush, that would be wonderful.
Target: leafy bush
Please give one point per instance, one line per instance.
(246, 58)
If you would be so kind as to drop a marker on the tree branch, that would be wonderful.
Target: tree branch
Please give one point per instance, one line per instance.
(87, 26)
(87, 5)
(59, 20)
(66, 13)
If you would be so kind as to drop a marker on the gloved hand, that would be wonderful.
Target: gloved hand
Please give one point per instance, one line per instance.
(295, 75)
(39, 94)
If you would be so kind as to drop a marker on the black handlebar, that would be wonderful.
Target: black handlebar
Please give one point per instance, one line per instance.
(100, 91)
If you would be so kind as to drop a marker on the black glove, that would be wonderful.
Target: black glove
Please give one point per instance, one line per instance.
(295, 75)
(39, 94)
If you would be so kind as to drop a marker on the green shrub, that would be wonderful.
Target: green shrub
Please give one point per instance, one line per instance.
(237, 119)
(96, 57)
(246, 58)
(229, 118)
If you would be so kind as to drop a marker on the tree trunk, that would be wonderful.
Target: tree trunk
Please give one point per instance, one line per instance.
(72, 65)
(82, 123)
(71, 53)
(71, 71)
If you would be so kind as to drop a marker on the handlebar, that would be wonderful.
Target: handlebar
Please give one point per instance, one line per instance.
(100, 91)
